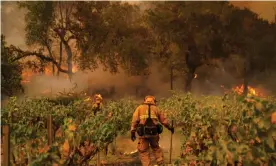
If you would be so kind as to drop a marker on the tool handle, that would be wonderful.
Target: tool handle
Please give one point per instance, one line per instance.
(172, 123)
(171, 146)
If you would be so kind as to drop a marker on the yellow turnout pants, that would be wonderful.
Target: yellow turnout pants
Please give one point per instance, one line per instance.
(143, 149)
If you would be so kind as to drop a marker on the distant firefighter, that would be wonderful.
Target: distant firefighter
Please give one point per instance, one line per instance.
(145, 122)
(97, 105)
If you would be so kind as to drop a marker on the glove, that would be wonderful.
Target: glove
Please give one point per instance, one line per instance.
(133, 137)
(171, 129)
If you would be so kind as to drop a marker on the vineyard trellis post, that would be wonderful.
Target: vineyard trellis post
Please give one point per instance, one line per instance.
(98, 158)
(50, 129)
(6, 145)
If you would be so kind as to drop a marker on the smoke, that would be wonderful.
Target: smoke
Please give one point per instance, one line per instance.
(209, 81)
(100, 81)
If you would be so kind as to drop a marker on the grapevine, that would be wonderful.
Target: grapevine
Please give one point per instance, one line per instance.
(216, 130)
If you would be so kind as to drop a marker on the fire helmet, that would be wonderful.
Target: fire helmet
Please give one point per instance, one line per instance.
(150, 99)
(98, 98)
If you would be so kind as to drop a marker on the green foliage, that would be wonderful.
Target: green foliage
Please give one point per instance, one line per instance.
(203, 32)
(39, 19)
(107, 33)
(116, 37)
(188, 24)
(73, 121)
(10, 72)
(223, 130)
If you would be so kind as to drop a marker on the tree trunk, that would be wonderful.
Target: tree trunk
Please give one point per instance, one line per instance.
(245, 86)
(193, 61)
(61, 34)
(246, 75)
(51, 55)
(60, 56)
(189, 80)
(69, 60)
(53, 69)
(171, 78)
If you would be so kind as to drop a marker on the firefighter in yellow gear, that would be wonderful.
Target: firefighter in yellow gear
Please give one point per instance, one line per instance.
(145, 122)
(97, 105)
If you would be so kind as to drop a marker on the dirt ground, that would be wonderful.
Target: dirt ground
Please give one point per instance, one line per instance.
(126, 151)
(126, 154)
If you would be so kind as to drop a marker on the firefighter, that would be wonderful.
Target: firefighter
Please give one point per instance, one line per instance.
(97, 106)
(145, 122)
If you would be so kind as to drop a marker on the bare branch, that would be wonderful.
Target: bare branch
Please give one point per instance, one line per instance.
(66, 17)
(60, 33)
(23, 54)
(60, 11)
(71, 8)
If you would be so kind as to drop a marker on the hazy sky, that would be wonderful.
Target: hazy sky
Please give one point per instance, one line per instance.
(12, 21)
(265, 9)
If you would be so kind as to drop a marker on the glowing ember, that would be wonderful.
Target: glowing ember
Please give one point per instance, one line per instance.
(251, 91)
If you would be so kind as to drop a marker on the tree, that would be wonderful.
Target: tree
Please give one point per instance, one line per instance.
(49, 21)
(114, 35)
(203, 33)
(10, 72)
(109, 33)
(38, 31)
(253, 39)
(194, 29)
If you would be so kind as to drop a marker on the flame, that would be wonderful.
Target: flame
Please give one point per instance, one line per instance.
(195, 76)
(251, 91)
(28, 74)
(48, 71)
(74, 68)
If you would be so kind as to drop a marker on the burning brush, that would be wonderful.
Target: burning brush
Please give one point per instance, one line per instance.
(251, 91)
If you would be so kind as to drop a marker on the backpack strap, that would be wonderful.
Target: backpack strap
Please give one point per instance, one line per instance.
(149, 120)
(149, 112)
